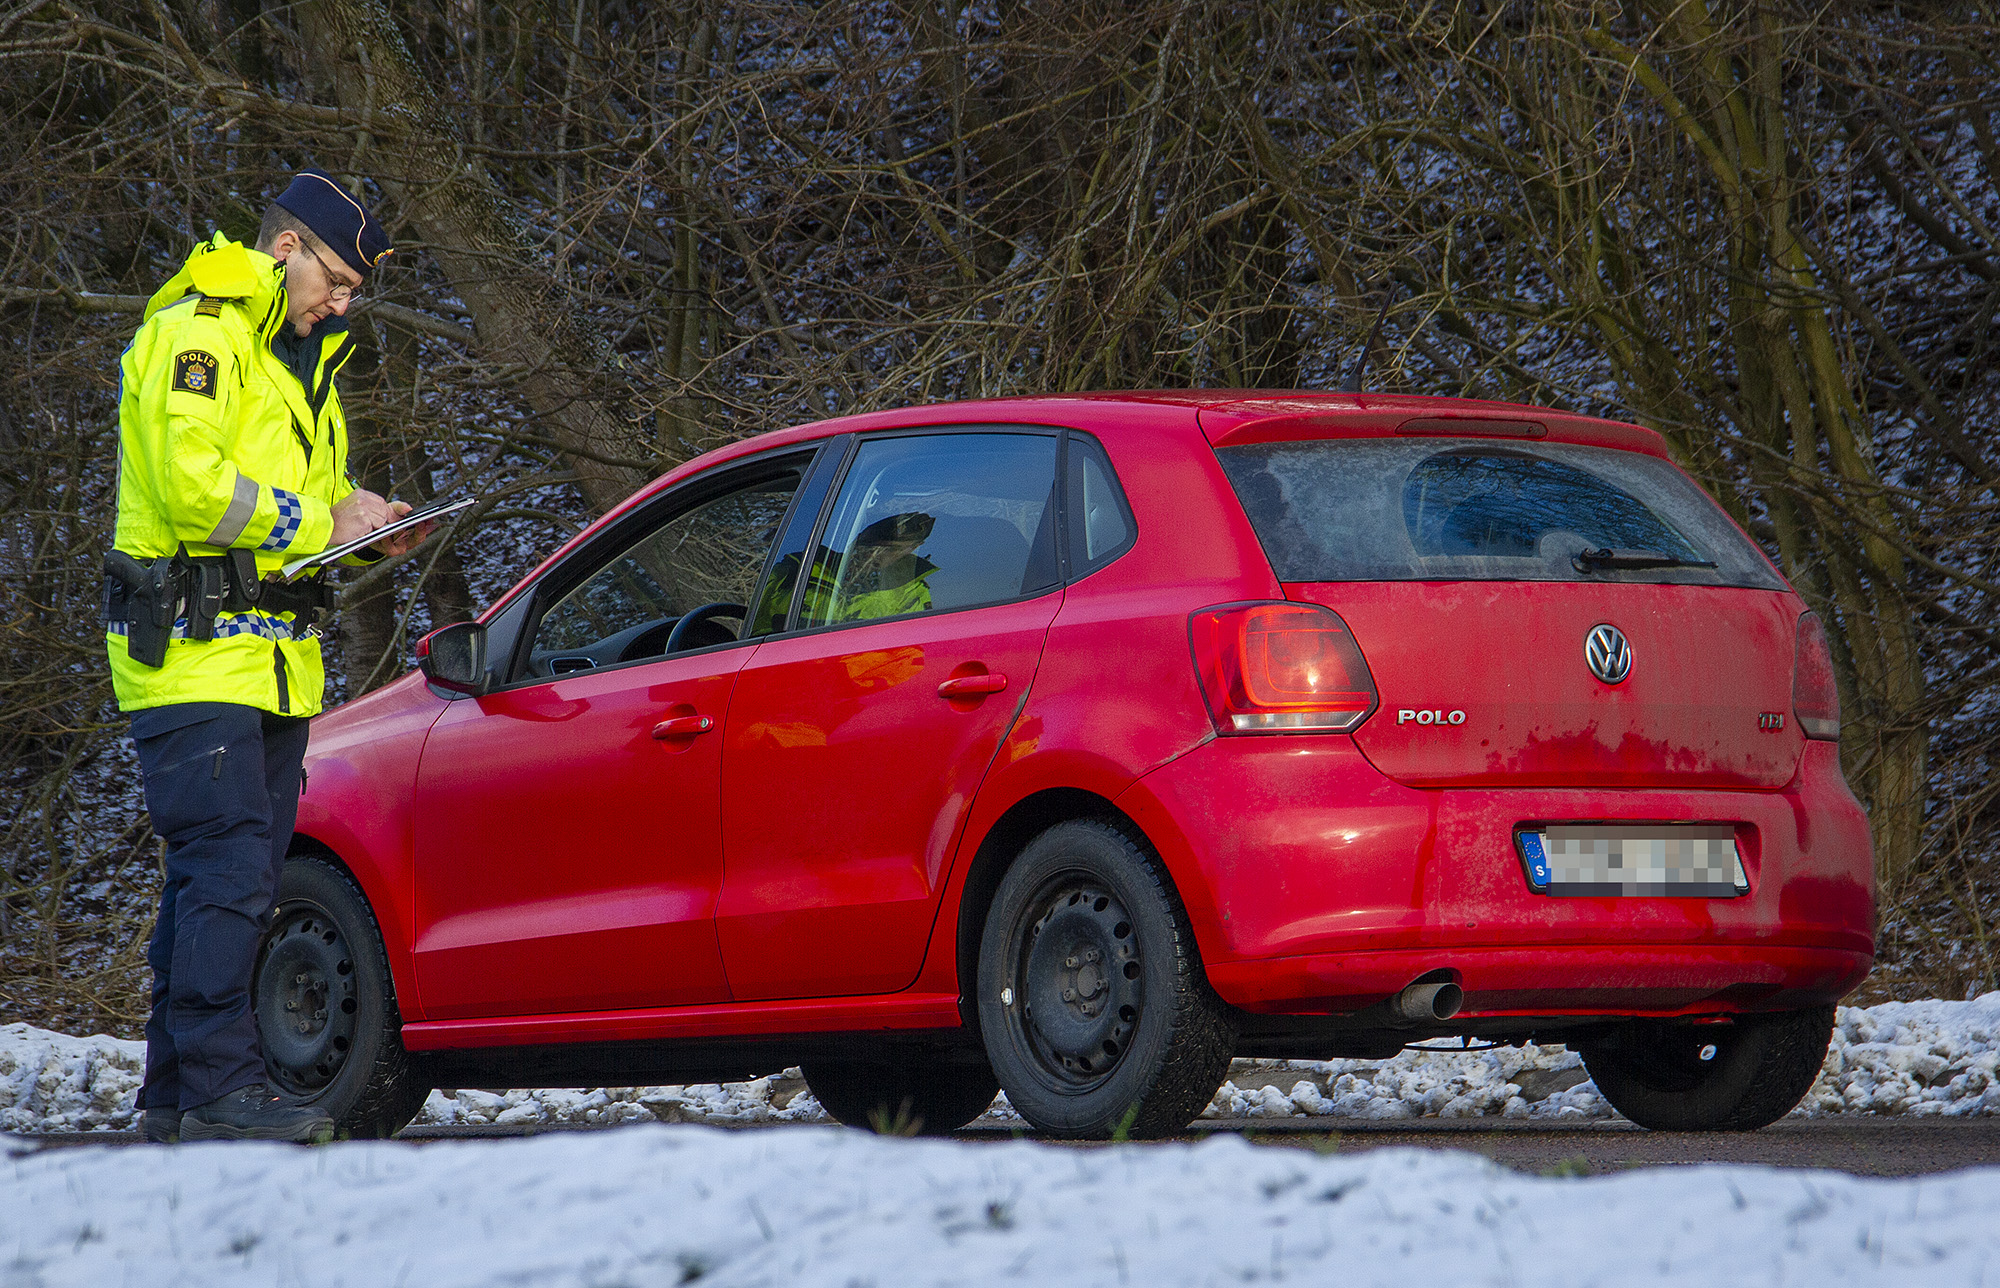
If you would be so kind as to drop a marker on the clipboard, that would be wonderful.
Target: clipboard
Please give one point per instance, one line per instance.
(436, 510)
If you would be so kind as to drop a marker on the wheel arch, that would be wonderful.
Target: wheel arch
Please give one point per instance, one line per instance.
(1023, 821)
(381, 907)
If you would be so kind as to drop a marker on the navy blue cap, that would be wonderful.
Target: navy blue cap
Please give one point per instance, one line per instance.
(912, 525)
(337, 219)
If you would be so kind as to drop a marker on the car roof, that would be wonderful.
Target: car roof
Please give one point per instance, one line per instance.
(1229, 417)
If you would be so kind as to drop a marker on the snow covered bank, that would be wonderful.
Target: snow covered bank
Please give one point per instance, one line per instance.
(53, 1082)
(1897, 1058)
(659, 1205)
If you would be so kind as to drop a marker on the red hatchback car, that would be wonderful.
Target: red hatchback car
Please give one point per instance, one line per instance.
(1072, 745)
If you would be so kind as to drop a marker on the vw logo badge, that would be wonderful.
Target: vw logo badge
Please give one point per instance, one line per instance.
(1608, 653)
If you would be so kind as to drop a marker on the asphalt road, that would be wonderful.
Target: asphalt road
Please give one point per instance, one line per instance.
(1860, 1146)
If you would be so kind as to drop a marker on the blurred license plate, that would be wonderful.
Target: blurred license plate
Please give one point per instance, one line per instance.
(1691, 860)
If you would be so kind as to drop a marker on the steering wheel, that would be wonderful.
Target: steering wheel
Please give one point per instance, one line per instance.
(651, 642)
(695, 617)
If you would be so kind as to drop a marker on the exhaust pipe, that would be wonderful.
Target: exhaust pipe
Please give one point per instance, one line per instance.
(1423, 1003)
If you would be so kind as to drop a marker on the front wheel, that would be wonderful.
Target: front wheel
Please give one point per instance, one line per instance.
(326, 1006)
(1092, 1002)
(1671, 1076)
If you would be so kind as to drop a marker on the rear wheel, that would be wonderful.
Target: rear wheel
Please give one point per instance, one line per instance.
(1675, 1076)
(1092, 1001)
(922, 1095)
(326, 1006)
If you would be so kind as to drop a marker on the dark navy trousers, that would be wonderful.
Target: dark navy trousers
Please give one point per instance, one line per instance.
(222, 785)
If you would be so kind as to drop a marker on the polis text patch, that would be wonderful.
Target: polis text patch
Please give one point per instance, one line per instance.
(194, 372)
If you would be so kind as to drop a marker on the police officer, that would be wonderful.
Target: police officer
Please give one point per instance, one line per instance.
(886, 577)
(233, 461)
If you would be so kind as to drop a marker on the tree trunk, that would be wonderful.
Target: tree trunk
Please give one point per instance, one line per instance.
(522, 315)
(1720, 85)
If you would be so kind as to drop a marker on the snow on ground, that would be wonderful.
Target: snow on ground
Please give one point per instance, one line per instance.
(1896, 1058)
(52, 1082)
(660, 1205)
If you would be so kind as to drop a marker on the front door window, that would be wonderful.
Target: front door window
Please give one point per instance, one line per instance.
(707, 558)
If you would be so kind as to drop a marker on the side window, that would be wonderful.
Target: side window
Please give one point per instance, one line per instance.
(934, 523)
(1100, 524)
(708, 555)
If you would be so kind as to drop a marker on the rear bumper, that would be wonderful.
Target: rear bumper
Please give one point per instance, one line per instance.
(1319, 887)
(1554, 980)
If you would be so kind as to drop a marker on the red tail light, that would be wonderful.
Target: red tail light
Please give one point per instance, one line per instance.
(1280, 667)
(1815, 697)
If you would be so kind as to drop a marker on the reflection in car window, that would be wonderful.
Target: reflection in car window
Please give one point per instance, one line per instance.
(930, 524)
(1499, 503)
(1426, 509)
(709, 554)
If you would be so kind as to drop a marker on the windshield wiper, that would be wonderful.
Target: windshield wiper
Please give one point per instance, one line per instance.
(1592, 560)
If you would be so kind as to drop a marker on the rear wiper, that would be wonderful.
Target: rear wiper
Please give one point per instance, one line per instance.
(1592, 560)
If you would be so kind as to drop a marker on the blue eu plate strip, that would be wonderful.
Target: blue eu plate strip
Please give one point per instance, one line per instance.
(1538, 859)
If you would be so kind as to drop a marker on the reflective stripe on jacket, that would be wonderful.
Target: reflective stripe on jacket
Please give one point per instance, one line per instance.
(222, 446)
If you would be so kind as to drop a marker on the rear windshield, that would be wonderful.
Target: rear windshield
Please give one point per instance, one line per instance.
(1399, 509)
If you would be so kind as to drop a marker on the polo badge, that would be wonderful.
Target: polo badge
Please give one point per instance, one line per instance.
(194, 372)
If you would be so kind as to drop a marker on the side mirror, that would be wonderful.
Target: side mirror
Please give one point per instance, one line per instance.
(454, 658)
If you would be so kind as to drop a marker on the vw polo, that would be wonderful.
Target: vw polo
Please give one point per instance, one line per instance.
(1073, 745)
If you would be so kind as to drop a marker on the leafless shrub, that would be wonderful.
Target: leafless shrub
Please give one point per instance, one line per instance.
(631, 232)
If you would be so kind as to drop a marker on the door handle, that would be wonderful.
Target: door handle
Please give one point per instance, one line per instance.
(683, 727)
(972, 686)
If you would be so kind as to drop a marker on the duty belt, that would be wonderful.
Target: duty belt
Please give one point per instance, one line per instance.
(183, 594)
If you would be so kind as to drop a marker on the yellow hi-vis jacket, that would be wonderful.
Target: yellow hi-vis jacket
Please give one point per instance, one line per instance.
(221, 446)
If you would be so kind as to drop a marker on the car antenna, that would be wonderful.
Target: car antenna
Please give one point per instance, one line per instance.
(1353, 385)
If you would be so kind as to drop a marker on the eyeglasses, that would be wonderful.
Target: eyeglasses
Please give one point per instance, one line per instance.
(337, 291)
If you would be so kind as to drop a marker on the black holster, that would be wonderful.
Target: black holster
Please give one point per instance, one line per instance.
(147, 598)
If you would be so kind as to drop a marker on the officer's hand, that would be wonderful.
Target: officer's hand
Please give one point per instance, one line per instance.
(409, 538)
(359, 513)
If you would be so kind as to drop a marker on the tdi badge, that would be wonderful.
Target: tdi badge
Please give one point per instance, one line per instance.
(194, 372)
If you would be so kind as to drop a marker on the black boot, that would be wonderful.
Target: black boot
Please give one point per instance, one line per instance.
(256, 1113)
(161, 1125)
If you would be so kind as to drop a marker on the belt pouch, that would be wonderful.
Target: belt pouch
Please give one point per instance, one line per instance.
(244, 589)
(204, 598)
(305, 600)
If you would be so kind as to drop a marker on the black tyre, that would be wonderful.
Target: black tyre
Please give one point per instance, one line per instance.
(1093, 1006)
(326, 1006)
(922, 1095)
(1672, 1076)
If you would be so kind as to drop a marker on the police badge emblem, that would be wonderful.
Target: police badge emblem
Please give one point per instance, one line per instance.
(194, 372)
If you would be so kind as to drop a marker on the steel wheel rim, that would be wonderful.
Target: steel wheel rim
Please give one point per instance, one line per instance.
(308, 1008)
(1076, 982)
(1670, 1058)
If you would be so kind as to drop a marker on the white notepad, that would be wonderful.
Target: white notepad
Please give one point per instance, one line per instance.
(436, 510)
